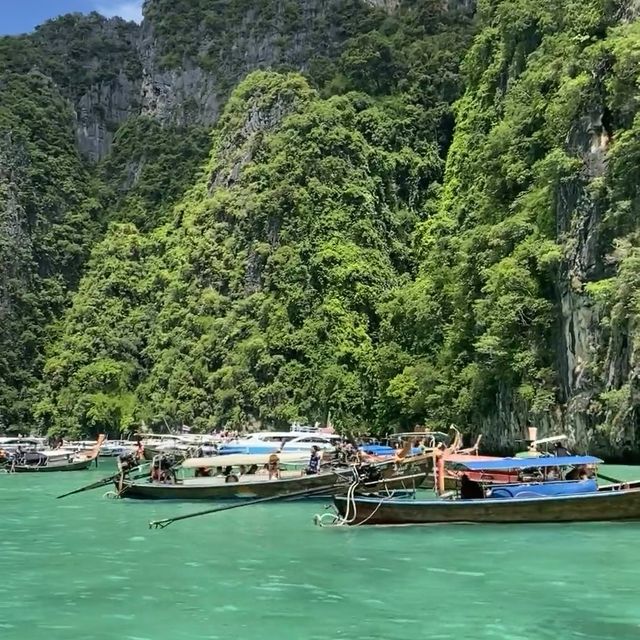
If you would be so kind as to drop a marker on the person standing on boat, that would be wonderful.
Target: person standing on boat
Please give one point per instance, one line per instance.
(561, 450)
(314, 461)
(273, 466)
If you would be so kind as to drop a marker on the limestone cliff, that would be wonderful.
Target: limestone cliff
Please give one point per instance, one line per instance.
(179, 66)
(564, 126)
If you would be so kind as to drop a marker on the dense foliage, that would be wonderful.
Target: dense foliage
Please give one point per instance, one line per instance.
(54, 205)
(529, 268)
(355, 245)
(47, 221)
(258, 302)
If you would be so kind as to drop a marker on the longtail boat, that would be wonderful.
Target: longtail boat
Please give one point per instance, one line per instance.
(578, 500)
(389, 475)
(56, 460)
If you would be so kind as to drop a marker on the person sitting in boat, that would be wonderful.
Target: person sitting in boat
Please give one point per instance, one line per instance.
(469, 489)
(203, 472)
(351, 452)
(273, 466)
(577, 473)
(314, 461)
(126, 462)
(553, 473)
(167, 474)
(560, 450)
(155, 470)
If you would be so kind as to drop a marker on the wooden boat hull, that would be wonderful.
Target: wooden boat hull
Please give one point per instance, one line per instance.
(603, 505)
(207, 490)
(79, 465)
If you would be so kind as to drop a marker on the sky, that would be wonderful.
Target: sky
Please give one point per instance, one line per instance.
(21, 16)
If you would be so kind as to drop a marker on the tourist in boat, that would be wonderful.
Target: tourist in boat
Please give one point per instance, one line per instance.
(469, 489)
(554, 474)
(19, 457)
(155, 470)
(577, 473)
(203, 472)
(126, 462)
(314, 461)
(273, 466)
(340, 453)
(162, 470)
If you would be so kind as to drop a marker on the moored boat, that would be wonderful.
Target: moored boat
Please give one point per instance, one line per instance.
(217, 489)
(53, 460)
(267, 442)
(46, 463)
(245, 476)
(578, 500)
(117, 448)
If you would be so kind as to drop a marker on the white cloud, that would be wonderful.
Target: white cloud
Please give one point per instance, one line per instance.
(126, 9)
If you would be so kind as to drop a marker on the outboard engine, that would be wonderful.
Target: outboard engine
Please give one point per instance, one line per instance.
(369, 473)
(126, 462)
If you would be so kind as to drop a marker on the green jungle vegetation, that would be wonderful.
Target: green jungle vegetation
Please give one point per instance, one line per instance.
(389, 223)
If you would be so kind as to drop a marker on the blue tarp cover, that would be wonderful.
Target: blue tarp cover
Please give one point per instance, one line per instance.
(528, 463)
(564, 488)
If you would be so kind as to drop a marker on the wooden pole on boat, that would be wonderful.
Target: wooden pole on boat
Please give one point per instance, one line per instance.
(161, 524)
(103, 482)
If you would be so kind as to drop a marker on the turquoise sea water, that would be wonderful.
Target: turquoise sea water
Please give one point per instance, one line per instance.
(89, 568)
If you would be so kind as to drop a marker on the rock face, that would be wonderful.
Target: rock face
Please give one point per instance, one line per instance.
(180, 74)
(101, 110)
(181, 79)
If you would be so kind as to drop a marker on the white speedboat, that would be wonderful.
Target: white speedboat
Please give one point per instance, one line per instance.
(184, 445)
(116, 448)
(285, 441)
(10, 445)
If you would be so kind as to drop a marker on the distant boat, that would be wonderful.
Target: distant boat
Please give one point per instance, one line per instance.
(179, 446)
(528, 502)
(285, 441)
(54, 460)
(9, 445)
(116, 448)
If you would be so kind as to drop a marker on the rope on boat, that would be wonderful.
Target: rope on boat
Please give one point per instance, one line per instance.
(111, 495)
(330, 519)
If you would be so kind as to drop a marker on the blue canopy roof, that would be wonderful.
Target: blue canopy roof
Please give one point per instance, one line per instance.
(528, 463)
